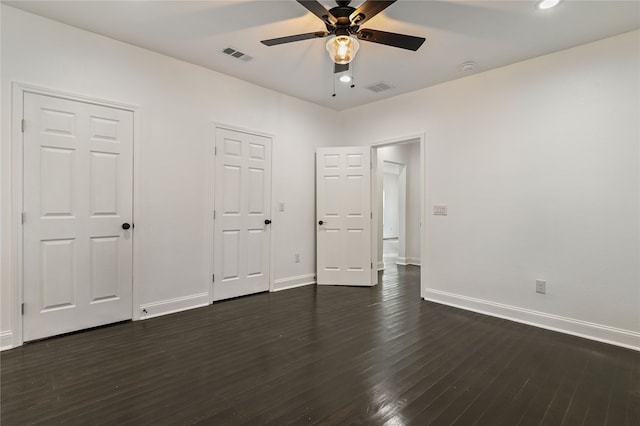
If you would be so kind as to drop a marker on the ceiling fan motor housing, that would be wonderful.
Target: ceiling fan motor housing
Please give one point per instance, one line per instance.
(338, 21)
(345, 21)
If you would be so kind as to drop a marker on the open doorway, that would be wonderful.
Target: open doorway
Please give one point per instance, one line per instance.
(397, 201)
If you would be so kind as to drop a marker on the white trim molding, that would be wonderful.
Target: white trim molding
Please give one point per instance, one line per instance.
(408, 261)
(602, 333)
(6, 340)
(293, 282)
(171, 306)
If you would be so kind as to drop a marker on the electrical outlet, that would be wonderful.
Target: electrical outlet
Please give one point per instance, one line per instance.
(440, 210)
(297, 257)
(541, 286)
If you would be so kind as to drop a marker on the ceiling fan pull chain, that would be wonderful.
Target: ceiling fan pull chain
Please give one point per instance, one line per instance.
(334, 84)
(353, 75)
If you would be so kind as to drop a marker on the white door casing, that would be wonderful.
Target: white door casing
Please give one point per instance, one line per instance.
(242, 208)
(77, 193)
(343, 215)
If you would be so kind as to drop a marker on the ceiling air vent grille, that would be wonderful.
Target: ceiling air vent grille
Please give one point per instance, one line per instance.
(379, 87)
(237, 54)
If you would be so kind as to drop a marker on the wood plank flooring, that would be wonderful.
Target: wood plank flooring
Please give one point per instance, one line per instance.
(328, 355)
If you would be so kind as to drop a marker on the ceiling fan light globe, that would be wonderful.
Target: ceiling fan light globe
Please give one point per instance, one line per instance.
(342, 49)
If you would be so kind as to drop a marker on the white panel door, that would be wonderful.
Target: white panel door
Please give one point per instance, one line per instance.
(343, 212)
(242, 206)
(78, 173)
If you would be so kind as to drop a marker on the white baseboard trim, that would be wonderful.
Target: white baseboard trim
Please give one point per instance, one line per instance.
(170, 306)
(293, 282)
(602, 333)
(380, 266)
(6, 340)
(408, 261)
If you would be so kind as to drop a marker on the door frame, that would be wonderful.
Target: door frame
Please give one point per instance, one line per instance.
(211, 177)
(18, 91)
(421, 139)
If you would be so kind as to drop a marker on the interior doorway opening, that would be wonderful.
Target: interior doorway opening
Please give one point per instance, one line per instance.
(397, 202)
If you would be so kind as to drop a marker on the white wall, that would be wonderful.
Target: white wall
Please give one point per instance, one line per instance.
(414, 187)
(177, 104)
(391, 205)
(538, 163)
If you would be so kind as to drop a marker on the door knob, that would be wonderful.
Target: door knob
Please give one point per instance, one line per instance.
(320, 222)
(267, 221)
(126, 226)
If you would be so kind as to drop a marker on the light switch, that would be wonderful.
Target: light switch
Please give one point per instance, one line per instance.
(281, 207)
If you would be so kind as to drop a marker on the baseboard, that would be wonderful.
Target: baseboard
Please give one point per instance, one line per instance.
(602, 333)
(293, 282)
(6, 340)
(408, 261)
(380, 266)
(170, 306)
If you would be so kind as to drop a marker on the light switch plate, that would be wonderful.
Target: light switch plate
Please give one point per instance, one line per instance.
(439, 209)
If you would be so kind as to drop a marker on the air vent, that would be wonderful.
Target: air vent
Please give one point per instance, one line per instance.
(237, 54)
(379, 87)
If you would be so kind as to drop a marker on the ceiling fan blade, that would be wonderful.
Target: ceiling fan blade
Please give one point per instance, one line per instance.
(317, 9)
(340, 68)
(402, 41)
(368, 10)
(298, 37)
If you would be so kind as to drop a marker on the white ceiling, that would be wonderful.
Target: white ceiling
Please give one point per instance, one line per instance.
(490, 33)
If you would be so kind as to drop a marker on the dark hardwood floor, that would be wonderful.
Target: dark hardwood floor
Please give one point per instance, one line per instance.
(328, 355)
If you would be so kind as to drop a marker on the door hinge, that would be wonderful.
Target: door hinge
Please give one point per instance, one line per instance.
(371, 215)
(215, 150)
(213, 278)
(22, 308)
(214, 214)
(371, 265)
(22, 125)
(22, 216)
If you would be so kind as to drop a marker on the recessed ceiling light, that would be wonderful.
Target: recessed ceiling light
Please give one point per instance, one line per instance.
(548, 4)
(345, 78)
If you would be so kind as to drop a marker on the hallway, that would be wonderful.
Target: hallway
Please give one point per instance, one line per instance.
(389, 252)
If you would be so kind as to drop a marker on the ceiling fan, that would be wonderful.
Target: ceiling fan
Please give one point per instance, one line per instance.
(343, 23)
